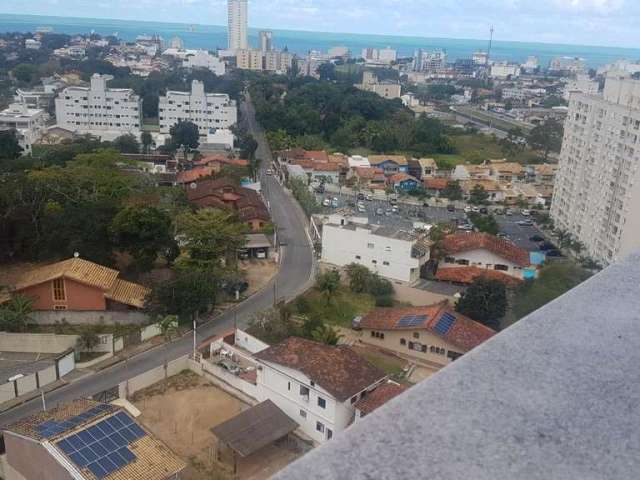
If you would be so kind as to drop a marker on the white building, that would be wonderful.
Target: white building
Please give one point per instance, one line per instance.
(29, 124)
(237, 24)
(581, 84)
(275, 61)
(356, 161)
(249, 59)
(266, 41)
(382, 55)
(98, 110)
(597, 189)
(204, 59)
(177, 43)
(505, 70)
(480, 58)
(531, 64)
(315, 384)
(339, 52)
(386, 89)
(393, 253)
(207, 110)
(568, 65)
(32, 44)
(40, 96)
(620, 66)
(429, 61)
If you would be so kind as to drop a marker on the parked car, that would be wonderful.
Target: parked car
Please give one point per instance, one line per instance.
(545, 246)
(379, 211)
(269, 171)
(334, 202)
(467, 209)
(368, 198)
(508, 211)
(484, 210)
(388, 212)
(498, 211)
(553, 253)
(361, 196)
(502, 235)
(466, 227)
(536, 238)
(475, 209)
(525, 223)
(319, 189)
(326, 202)
(451, 208)
(355, 323)
(361, 209)
(525, 213)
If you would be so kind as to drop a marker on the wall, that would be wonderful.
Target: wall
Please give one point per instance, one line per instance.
(150, 331)
(47, 376)
(90, 317)
(32, 460)
(417, 296)
(155, 375)
(66, 364)
(79, 297)
(234, 381)
(481, 258)
(37, 342)
(249, 343)
(7, 392)
(27, 384)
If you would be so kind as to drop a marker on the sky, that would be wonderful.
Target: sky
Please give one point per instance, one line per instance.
(584, 22)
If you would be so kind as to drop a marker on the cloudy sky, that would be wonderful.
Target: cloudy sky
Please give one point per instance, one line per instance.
(587, 22)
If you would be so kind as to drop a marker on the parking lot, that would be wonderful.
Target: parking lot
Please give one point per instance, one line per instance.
(382, 212)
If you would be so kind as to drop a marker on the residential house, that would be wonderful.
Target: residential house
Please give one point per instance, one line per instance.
(189, 176)
(464, 250)
(435, 186)
(217, 161)
(507, 171)
(79, 285)
(27, 123)
(357, 161)
(367, 177)
(492, 187)
(544, 174)
(315, 384)
(403, 182)
(390, 164)
(392, 253)
(86, 440)
(377, 398)
(469, 171)
(295, 154)
(435, 335)
(225, 193)
(422, 168)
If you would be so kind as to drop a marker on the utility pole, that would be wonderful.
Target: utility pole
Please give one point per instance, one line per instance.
(275, 293)
(44, 405)
(195, 326)
(490, 44)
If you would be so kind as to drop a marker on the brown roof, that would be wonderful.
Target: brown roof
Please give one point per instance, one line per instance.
(436, 183)
(377, 159)
(467, 275)
(255, 428)
(511, 168)
(401, 177)
(464, 242)
(87, 273)
(194, 174)
(379, 397)
(487, 184)
(339, 370)
(463, 332)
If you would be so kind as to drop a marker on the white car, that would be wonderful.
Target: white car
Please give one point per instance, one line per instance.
(525, 213)
(475, 209)
(467, 209)
(269, 171)
(327, 202)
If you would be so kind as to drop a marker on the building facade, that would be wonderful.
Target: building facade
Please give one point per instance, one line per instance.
(207, 110)
(28, 123)
(249, 59)
(597, 190)
(98, 110)
(266, 41)
(237, 24)
(204, 59)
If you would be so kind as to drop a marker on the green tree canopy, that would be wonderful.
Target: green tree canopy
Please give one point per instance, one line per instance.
(185, 135)
(328, 283)
(127, 144)
(547, 137)
(485, 301)
(485, 223)
(453, 191)
(478, 195)
(10, 148)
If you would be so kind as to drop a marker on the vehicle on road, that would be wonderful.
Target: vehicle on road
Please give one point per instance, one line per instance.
(361, 196)
(508, 211)
(484, 210)
(547, 246)
(525, 223)
(334, 202)
(379, 211)
(536, 238)
(466, 227)
(269, 171)
(326, 202)
(388, 212)
(502, 235)
(467, 209)
(361, 209)
(553, 253)
(368, 198)
(475, 209)
(525, 213)
(451, 208)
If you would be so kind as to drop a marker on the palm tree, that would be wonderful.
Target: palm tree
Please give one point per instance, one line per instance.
(326, 334)
(146, 140)
(329, 283)
(15, 314)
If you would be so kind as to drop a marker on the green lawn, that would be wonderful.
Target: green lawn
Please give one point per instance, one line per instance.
(389, 364)
(342, 308)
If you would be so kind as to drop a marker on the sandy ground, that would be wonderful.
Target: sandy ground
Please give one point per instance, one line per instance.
(182, 411)
(258, 273)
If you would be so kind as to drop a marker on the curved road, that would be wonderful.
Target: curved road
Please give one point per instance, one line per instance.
(294, 277)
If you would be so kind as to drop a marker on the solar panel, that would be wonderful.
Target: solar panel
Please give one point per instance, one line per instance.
(99, 450)
(97, 470)
(75, 441)
(445, 323)
(117, 460)
(51, 428)
(126, 454)
(124, 418)
(66, 446)
(411, 320)
(79, 459)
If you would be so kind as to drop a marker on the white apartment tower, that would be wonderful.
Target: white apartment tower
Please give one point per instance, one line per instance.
(597, 190)
(28, 123)
(98, 110)
(237, 29)
(266, 41)
(209, 111)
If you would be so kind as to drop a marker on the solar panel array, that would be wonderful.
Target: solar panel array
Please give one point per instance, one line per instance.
(411, 320)
(103, 448)
(51, 428)
(445, 323)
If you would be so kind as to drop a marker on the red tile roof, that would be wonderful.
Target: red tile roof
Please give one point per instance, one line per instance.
(464, 333)
(464, 242)
(194, 174)
(436, 183)
(467, 275)
(379, 397)
(401, 177)
(339, 370)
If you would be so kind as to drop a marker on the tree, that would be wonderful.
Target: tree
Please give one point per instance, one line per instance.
(327, 71)
(146, 140)
(89, 339)
(326, 334)
(10, 148)
(547, 137)
(437, 235)
(15, 314)
(328, 283)
(189, 293)
(478, 195)
(127, 143)
(144, 232)
(485, 223)
(485, 301)
(168, 326)
(453, 191)
(26, 73)
(211, 238)
(185, 135)
(359, 277)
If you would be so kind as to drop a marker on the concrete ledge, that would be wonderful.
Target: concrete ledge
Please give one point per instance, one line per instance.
(556, 396)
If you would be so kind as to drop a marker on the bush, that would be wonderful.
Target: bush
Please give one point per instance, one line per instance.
(385, 301)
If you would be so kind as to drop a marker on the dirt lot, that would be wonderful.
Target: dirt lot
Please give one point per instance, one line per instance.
(258, 273)
(182, 411)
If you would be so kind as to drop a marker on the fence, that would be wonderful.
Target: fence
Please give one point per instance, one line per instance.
(246, 391)
(89, 317)
(37, 342)
(155, 375)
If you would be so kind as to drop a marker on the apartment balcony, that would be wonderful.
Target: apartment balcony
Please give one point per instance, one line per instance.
(554, 397)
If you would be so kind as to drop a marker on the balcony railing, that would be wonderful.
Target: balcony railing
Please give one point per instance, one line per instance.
(553, 397)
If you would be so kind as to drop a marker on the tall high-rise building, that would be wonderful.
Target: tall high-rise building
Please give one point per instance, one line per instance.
(266, 41)
(237, 29)
(597, 190)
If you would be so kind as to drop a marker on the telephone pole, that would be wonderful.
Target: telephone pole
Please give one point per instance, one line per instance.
(490, 44)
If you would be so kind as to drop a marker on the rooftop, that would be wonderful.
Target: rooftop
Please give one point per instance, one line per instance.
(379, 397)
(464, 242)
(552, 397)
(338, 370)
(467, 275)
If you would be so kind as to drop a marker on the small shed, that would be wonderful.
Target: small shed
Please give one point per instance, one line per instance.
(252, 430)
(257, 246)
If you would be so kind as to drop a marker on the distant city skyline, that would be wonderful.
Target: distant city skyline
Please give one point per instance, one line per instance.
(581, 22)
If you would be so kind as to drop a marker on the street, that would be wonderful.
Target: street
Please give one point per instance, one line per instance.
(293, 278)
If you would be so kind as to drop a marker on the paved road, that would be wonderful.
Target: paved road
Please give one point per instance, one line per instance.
(295, 272)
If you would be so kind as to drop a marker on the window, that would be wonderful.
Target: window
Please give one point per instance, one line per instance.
(358, 257)
(58, 290)
(59, 307)
(320, 427)
(289, 386)
(304, 391)
(462, 262)
(416, 335)
(449, 260)
(322, 403)
(329, 434)
(313, 383)
(354, 399)
(403, 341)
(371, 245)
(303, 414)
(502, 268)
(385, 264)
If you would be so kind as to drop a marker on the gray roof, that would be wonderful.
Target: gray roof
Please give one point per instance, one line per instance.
(255, 428)
(555, 396)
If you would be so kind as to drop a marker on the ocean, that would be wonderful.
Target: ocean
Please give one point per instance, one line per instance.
(300, 42)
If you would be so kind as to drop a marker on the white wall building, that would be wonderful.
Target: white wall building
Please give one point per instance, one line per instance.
(266, 41)
(237, 24)
(249, 59)
(581, 84)
(339, 52)
(385, 89)
(504, 70)
(382, 55)
(320, 399)
(597, 189)
(204, 59)
(207, 110)
(98, 110)
(393, 253)
(29, 124)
